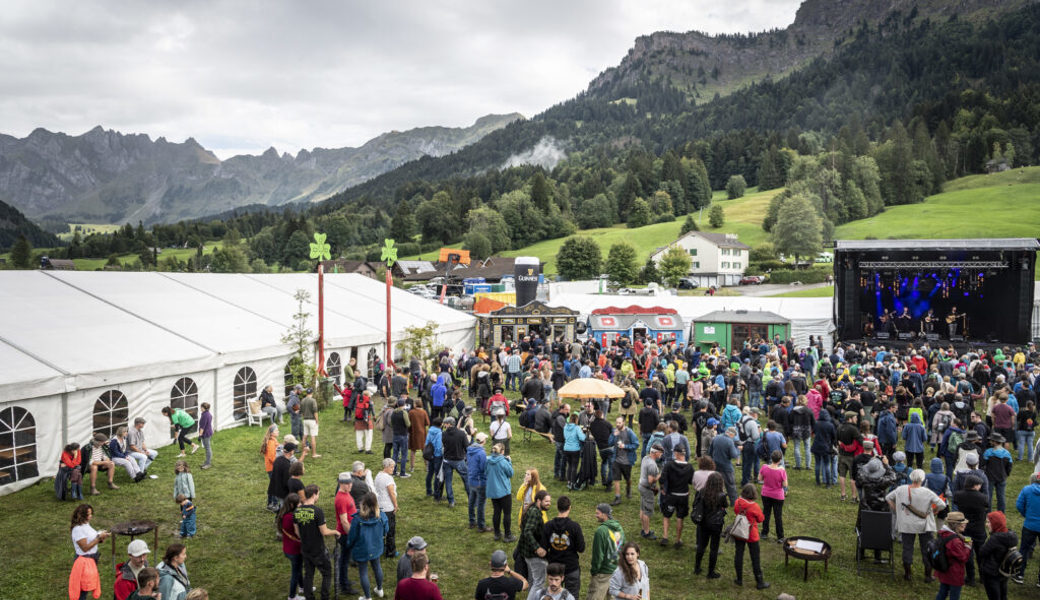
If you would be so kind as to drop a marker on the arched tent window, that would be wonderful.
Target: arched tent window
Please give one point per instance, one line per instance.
(17, 445)
(245, 390)
(334, 367)
(185, 396)
(110, 412)
(291, 377)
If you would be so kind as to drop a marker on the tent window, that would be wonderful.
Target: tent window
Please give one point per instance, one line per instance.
(185, 395)
(110, 412)
(17, 445)
(245, 390)
(334, 367)
(291, 378)
(373, 363)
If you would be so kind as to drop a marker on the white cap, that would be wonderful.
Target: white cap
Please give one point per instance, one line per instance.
(137, 548)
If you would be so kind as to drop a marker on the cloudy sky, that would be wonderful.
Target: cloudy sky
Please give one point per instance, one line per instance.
(240, 76)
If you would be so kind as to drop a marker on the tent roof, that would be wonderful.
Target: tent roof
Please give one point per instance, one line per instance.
(61, 331)
(741, 316)
(963, 244)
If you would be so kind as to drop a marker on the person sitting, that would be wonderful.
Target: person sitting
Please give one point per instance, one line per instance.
(269, 406)
(120, 454)
(99, 460)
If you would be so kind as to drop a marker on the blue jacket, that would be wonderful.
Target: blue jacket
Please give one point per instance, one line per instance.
(572, 438)
(476, 461)
(365, 539)
(434, 436)
(730, 417)
(438, 392)
(499, 475)
(887, 429)
(1028, 505)
(631, 443)
(937, 481)
(914, 434)
(826, 435)
(115, 450)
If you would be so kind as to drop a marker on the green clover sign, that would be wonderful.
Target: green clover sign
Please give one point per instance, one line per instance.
(320, 250)
(389, 253)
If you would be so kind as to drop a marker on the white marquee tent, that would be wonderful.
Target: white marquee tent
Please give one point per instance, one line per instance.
(87, 351)
(808, 316)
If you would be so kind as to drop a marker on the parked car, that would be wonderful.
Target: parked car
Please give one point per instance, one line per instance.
(687, 284)
(753, 280)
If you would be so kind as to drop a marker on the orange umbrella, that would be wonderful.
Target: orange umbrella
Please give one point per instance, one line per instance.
(591, 388)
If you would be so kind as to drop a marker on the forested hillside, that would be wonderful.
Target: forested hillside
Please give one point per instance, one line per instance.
(898, 108)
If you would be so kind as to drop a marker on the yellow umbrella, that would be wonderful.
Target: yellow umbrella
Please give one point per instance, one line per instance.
(591, 388)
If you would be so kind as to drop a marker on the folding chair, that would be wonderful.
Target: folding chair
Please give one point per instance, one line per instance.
(255, 415)
(875, 533)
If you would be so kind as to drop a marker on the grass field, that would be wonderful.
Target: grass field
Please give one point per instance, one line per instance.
(819, 292)
(236, 555)
(95, 264)
(87, 229)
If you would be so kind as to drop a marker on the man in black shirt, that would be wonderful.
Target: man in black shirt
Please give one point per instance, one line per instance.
(532, 387)
(504, 583)
(309, 522)
(676, 478)
(649, 395)
(455, 442)
(563, 541)
(677, 416)
(648, 420)
(600, 430)
(849, 443)
(399, 384)
(280, 473)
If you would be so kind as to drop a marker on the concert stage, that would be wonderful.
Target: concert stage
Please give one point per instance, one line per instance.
(941, 290)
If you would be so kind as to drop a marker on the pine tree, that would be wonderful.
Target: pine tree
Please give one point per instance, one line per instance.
(21, 253)
(541, 195)
(689, 225)
(716, 218)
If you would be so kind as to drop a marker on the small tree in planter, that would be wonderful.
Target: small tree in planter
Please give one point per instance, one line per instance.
(301, 365)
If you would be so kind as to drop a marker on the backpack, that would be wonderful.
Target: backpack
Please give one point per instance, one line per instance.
(428, 451)
(626, 402)
(935, 553)
(956, 439)
(360, 408)
(1012, 562)
(740, 529)
(742, 430)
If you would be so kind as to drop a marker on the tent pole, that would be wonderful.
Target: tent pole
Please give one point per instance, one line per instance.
(321, 320)
(64, 418)
(389, 350)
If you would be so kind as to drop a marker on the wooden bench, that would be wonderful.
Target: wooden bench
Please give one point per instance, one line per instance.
(10, 453)
(528, 433)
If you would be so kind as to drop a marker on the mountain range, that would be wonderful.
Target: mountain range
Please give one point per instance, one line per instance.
(105, 176)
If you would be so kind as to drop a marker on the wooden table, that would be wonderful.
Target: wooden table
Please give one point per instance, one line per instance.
(790, 550)
(134, 529)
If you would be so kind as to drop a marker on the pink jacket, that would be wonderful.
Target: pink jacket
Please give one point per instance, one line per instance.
(814, 400)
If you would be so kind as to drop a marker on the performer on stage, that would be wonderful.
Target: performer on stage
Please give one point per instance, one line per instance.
(928, 322)
(951, 321)
(904, 320)
(886, 322)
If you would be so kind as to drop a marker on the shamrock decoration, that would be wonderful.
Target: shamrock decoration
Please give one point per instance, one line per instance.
(320, 250)
(389, 253)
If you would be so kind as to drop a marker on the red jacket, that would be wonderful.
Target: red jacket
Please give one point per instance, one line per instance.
(754, 515)
(71, 460)
(126, 583)
(957, 553)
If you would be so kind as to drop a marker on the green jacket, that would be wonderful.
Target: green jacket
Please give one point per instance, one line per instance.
(182, 418)
(531, 529)
(605, 546)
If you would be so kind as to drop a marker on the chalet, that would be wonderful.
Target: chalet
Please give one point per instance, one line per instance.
(716, 259)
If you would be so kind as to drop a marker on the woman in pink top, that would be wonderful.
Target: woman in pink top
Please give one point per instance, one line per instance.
(705, 467)
(773, 478)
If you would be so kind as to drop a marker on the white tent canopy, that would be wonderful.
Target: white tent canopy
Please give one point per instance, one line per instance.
(808, 316)
(144, 340)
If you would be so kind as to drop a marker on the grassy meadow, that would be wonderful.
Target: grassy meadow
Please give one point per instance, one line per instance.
(236, 554)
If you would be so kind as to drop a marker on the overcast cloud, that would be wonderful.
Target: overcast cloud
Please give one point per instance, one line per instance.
(241, 76)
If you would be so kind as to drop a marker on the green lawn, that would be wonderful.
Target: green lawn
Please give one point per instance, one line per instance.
(87, 229)
(826, 291)
(236, 555)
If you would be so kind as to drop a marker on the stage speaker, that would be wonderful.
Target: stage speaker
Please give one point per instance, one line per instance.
(846, 310)
(881, 335)
(1024, 314)
(906, 335)
(932, 337)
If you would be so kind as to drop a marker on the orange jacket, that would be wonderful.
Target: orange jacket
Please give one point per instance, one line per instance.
(84, 577)
(270, 453)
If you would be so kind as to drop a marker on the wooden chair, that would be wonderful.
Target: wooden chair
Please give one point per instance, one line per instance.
(255, 415)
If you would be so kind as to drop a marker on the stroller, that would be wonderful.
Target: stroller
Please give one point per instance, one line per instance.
(586, 473)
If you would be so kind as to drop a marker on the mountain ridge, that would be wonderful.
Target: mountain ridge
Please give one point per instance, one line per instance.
(105, 176)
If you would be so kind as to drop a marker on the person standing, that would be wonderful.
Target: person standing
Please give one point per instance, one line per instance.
(958, 553)
(309, 522)
(400, 423)
(649, 473)
(992, 553)
(573, 437)
(499, 472)
(418, 585)
(746, 505)
(416, 546)
(564, 541)
(996, 462)
(309, 412)
(476, 463)
(676, 477)
(366, 543)
(1028, 505)
(386, 430)
(173, 575)
(773, 478)
(631, 579)
(504, 583)
(85, 539)
(531, 548)
(455, 443)
(278, 488)
(849, 447)
(624, 440)
(915, 507)
(713, 508)
(127, 572)
(420, 422)
(206, 434)
(433, 465)
(606, 546)
(363, 421)
(291, 543)
(346, 509)
(386, 492)
(723, 450)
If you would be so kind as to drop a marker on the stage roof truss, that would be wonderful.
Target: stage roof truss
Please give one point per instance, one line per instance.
(939, 264)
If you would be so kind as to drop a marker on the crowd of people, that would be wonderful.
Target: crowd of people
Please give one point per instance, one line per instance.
(863, 419)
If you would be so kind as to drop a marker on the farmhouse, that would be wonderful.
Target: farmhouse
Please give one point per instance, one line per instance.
(716, 259)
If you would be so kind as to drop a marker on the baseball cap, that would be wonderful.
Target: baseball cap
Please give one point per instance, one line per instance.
(604, 508)
(345, 477)
(657, 447)
(498, 559)
(481, 437)
(137, 548)
(972, 459)
(417, 543)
